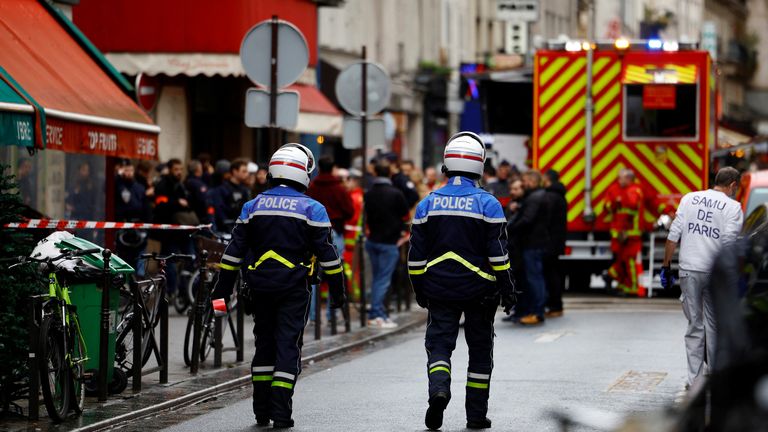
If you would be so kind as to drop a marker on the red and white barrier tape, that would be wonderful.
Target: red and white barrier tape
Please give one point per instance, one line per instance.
(63, 224)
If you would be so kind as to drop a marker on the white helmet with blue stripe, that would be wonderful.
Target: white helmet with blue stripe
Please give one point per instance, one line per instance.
(464, 153)
(292, 162)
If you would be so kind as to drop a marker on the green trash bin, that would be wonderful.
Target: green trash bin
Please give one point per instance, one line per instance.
(86, 295)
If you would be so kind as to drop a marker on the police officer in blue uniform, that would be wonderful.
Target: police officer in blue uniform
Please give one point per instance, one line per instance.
(276, 241)
(458, 263)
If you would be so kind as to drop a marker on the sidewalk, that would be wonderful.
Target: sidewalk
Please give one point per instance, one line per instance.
(184, 388)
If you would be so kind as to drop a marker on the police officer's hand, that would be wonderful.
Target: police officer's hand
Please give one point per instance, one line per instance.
(667, 279)
(490, 300)
(508, 301)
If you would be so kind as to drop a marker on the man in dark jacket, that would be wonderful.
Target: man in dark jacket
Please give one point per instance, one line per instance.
(130, 206)
(531, 229)
(228, 198)
(198, 191)
(385, 210)
(172, 207)
(558, 224)
(331, 193)
(401, 181)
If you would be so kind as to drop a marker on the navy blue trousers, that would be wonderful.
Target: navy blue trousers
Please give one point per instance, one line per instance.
(279, 321)
(440, 341)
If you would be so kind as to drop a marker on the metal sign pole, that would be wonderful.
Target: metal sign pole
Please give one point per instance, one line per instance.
(273, 131)
(105, 329)
(589, 214)
(364, 145)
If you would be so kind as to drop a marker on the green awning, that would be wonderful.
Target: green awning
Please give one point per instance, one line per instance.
(17, 116)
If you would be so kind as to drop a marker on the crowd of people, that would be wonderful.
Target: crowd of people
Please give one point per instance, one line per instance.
(203, 192)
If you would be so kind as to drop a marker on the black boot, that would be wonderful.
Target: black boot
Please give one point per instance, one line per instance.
(262, 421)
(437, 403)
(279, 424)
(479, 424)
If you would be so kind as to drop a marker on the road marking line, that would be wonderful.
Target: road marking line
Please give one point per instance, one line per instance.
(637, 382)
(550, 337)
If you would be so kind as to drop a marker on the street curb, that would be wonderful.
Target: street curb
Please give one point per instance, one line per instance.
(238, 382)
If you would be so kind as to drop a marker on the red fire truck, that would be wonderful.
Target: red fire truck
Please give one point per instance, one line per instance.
(650, 109)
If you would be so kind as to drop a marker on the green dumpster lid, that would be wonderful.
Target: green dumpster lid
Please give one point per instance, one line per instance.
(116, 264)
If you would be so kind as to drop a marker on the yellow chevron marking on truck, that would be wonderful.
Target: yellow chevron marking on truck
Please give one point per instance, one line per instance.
(683, 168)
(564, 99)
(691, 154)
(640, 166)
(556, 65)
(609, 98)
(554, 149)
(561, 80)
(607, 119)
(608, 77)
(576, 170)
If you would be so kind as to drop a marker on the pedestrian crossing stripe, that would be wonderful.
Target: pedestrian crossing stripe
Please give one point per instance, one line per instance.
(559, 141)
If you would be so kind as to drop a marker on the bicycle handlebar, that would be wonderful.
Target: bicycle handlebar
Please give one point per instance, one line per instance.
(169, 257)
(50, 260)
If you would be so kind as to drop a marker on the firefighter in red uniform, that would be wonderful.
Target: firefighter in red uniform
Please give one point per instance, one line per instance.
(352, 227)
(625, 208)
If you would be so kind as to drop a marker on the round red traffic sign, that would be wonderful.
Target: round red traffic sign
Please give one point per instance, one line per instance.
(147, 91)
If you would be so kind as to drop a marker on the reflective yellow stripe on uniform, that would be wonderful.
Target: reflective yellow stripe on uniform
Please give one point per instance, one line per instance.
(456, 257)
(228, 267)
(273, 255)
(333, 272)
(500, 267)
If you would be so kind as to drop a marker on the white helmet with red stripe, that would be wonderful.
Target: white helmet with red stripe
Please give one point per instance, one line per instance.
(464, 154)
(292, 162)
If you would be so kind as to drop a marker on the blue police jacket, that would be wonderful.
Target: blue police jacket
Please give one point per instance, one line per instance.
(276, 239)
(459, 244)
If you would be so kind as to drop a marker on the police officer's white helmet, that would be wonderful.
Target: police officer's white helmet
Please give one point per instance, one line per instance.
(292, 162)
(464, 153)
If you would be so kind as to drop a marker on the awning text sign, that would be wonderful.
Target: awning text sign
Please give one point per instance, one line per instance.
(76, 137)
(16, 129)
(658, 96)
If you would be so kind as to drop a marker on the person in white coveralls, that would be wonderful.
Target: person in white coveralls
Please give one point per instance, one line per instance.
(705, 222)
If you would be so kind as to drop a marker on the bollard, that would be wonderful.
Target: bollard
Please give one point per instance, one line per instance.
(218, 344)
(33, 359)
(333, 321)
(199, 311)
(347, 318)
(138, 352)
(361, 266)
(240, 330)
(104, 330)
(164, 340)
(318, 313)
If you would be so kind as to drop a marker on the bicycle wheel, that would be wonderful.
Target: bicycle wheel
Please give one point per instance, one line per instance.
(55, 376)
(188, 337)
(78, 368)
(206, 339)
(124, 345)
(191, 290)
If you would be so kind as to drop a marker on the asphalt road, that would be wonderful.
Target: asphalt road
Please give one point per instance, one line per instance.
(621, 361)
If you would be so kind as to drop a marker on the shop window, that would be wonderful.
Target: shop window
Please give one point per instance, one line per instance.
(661, 111)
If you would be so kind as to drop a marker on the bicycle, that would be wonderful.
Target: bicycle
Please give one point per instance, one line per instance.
(189, 279)
(61, 351)
(152, 295)
(208, 321)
